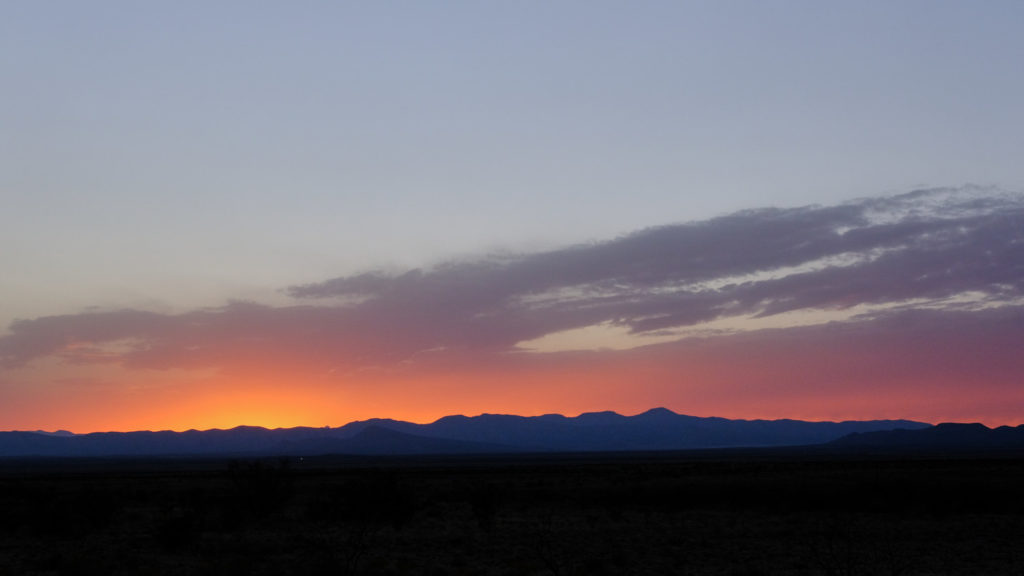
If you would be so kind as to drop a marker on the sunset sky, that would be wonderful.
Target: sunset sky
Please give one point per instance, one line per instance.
(307, 213)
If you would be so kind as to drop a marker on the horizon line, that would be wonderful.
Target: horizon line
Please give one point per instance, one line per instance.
(64, 432)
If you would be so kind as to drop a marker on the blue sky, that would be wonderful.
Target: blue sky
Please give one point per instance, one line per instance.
(247, 146)
(171, 156)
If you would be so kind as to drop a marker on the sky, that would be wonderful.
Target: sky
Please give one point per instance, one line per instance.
(308, 213)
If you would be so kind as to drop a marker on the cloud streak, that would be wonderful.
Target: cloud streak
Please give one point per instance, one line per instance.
(948, 249)
(928, 245)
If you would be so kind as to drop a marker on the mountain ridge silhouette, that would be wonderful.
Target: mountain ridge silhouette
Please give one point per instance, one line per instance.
(655, 429)
(946, 437)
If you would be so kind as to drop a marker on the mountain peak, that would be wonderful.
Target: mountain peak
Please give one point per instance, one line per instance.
(61, 433)
(603, 413)
(962, 426)
(660, 412)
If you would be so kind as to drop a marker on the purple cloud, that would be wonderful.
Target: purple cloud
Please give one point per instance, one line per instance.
(935, 246)
(923, 245)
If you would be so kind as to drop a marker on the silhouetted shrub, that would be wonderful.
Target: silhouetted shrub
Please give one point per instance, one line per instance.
(483, 501)
(178, 527)
(378, 499)
(257, 489)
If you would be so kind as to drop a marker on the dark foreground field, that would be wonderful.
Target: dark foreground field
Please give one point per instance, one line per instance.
(737, 514)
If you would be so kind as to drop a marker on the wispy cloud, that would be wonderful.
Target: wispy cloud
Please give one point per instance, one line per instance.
(946, 249)
(928, 245)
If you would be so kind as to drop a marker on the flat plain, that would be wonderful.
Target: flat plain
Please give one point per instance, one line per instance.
(738, 513)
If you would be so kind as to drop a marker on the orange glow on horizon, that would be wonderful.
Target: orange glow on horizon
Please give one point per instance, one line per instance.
(778, 378)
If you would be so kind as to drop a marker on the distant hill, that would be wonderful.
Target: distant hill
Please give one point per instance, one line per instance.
(657, 429)
(942, 437)
(378, 440)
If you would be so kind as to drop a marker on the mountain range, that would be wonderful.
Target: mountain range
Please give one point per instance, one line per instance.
(946, 437)
(656, 429)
